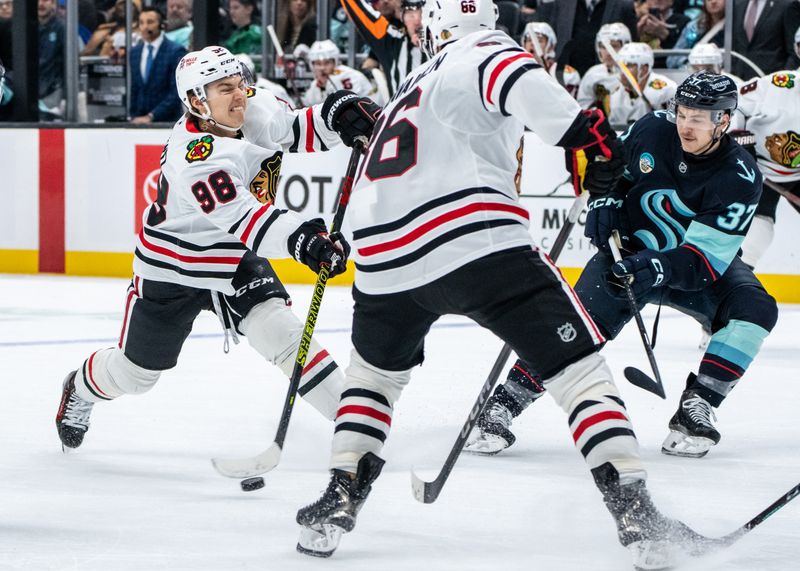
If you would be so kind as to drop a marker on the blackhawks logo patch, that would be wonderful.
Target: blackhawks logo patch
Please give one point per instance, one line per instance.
(250, 91)
(783, 80)
(784, 148)
(658, 84)
(199, 149)
(265, 184)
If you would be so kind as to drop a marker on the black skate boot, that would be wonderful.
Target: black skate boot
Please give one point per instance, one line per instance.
(72, 419)
(691, 432)
(335, 512)
(654, 540)
(492, 433)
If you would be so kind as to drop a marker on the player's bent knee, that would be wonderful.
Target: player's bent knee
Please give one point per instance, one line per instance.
(588, 376)
(753, 305)
(128, 377)
(273, 330)
(362, 374)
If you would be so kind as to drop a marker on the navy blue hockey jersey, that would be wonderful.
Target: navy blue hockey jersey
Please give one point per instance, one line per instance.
(696, 210)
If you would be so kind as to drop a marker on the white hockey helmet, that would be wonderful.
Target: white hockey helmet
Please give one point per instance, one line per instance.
(542, 29)
(637, 53)
(706, 54)
(613, 32)
(323, 50)
(198, 69)
(247, 63)
(444, 21)
(797, 41)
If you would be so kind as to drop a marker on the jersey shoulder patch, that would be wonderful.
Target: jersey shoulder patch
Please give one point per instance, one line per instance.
(784, 79)
(250, 92)
(569, 69)
(658, 84)
(199, 149)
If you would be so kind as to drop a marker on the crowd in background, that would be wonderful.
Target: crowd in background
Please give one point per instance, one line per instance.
(162, 33)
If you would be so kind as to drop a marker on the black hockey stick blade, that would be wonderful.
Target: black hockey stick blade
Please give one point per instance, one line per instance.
(644, 381)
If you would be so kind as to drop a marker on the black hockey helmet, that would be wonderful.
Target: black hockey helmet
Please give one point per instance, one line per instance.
(705, 90)
(412, 4)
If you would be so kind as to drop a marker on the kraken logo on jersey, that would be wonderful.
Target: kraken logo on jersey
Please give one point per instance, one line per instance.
(199, 149)
(784, 148)
(783, 80)
(662, 206)
(265, 184)
(647, 163)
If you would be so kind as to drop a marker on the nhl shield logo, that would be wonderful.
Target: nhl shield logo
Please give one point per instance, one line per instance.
(567, 332)
(646, 163)
(682, 167)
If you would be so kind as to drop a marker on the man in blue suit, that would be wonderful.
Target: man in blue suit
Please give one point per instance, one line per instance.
(154, 96)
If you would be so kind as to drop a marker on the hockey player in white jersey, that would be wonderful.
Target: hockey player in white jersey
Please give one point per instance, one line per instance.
(544, 51)
(629, 103)
(430, 242)
(602, 79)
(771, 106)
(204, 241)
(331, 76)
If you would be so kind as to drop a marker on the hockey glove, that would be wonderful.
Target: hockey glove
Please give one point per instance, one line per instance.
(311, 245)
(595, 157)
(350, 115)
(645, 270)
(606, 213)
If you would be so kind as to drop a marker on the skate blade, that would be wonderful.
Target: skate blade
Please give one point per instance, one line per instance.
(320, 542)
(680, 444)
(486, 445)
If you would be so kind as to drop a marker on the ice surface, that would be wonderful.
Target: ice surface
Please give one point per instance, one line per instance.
(141, 493)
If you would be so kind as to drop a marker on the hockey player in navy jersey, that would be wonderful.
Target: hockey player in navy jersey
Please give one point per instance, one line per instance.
(683, 208)
(205, 240)
(429, 243)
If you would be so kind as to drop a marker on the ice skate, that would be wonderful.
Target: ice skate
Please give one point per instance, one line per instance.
(491, 435)
(692, 433)
(73, 415)
(335, 512)
(654, 540)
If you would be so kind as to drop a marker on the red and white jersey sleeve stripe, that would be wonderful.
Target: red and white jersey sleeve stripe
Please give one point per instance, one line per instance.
(271, 123)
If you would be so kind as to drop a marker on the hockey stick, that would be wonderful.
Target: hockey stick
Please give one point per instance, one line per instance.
(634, 82)
(269, 458)
(757, 520)
(794, 199)
(427, 492)
(289, 66)
(635, 376)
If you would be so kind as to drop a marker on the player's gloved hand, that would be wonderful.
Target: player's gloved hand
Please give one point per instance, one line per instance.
(606, 213)
(645, 270)
(595, 157)
(311, 245)
(350, 115)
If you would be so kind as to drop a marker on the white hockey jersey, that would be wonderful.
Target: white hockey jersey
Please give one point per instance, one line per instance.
(436, 188)
(597, 74)
(343, 77)
(207, 214)
(771, 105)
(625, 109)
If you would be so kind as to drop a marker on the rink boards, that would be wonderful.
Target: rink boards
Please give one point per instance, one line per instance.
(72, 203)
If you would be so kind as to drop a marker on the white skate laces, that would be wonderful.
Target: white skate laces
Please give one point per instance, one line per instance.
(699, 410)
(77, 412)
(498, 414)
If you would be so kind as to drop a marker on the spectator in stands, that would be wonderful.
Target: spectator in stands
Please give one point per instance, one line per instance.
(527, 10)
(6, 8)
(661, 26)
(296, 23)
(600, 80)
(51, 52)
(154, 96)
(246, 37)
(395, 45)
(709, 27)
(649, 91)
(763, 31)
(102, 41)
(544, 51)
(179, 22)
(580, 20)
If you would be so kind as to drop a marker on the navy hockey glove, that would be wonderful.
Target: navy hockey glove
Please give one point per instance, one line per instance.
(595, 157)
(350, 115)
(606, 213)
(646, 269)
(311, 245)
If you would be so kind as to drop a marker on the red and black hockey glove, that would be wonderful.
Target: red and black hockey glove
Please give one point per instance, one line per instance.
(595, 157)
(311, 245)
(350, 115)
